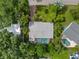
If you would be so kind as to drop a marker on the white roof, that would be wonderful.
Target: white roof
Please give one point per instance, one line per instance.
(40, 2)
(15, 29)
(41, 30)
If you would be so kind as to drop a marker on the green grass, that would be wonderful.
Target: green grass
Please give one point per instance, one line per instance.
(69, 18)
(68, 15)
(63, 55)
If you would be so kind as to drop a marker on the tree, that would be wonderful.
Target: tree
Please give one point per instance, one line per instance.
(13, 11)
(75, 13)
(47, 13)
(40, 51)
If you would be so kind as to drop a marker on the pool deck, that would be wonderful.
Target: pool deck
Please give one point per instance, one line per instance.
(72, 43)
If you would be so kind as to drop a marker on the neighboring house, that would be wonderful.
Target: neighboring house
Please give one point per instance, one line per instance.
(40, 2)
(15, 29)
(40, 32)
(48, 2)
(70, 2)
(70, 36)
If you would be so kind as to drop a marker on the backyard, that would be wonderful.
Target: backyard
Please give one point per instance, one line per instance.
(61, 19)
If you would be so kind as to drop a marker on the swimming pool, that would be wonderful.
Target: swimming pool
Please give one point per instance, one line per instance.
(66, 42)
(42, 40)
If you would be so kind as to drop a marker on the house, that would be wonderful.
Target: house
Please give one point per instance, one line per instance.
(15, 29)
(40, 32)
(48, 2)
(70, 2)
(40, 2)
(70, 35)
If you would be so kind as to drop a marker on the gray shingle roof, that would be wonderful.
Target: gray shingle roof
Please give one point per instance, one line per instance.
(70, 2)
(47, 2)
(40, 2)
(41, 30)
(72, 32)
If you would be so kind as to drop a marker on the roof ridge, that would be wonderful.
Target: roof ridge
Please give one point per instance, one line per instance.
(68, 27)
